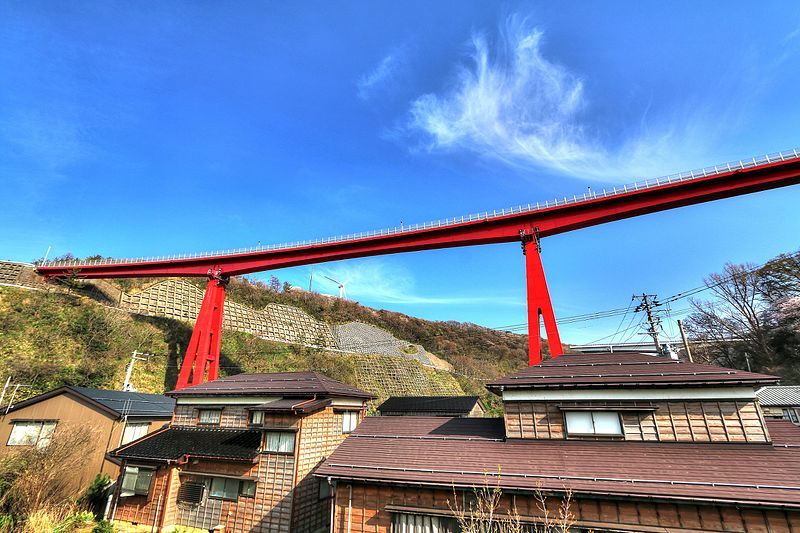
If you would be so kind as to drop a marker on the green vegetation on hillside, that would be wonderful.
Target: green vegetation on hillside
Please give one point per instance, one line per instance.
(49, 339)
(474, 351)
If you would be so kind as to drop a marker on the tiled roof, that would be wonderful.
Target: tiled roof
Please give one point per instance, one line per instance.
(787, 395)
(294, 405)
(434, 452)
(452, 405)
(174, 443)
(625, 369)
(783, 432)
(131, 403)
(115, 403)
(274, 384)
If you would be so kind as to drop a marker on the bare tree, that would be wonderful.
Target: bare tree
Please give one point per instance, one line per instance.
(736, 322)
(488, 510)
(42, 478)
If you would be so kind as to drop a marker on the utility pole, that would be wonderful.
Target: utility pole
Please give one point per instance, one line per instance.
(126, 385)
(648, 305)
(685, 342)
(5, 388)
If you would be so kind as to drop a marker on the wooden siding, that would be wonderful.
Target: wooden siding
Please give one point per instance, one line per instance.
(145, 510)
(71, 410)
(320, 434)
(232, 416)
(287, 495)
(361, 508)
(694, 421)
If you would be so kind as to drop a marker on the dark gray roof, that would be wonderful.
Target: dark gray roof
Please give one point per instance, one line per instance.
(302, 384)
(115, 403)
(787, 395)
(174, 443)
(131, 403)
(452, 405)
(624, 370)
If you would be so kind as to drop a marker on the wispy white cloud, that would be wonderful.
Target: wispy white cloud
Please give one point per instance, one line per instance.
(383, 73)
(376, 281)
(515, 105)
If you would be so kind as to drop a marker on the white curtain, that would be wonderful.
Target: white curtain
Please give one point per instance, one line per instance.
(415, 523)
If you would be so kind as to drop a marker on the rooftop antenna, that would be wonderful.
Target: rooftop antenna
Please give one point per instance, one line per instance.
(342, 290)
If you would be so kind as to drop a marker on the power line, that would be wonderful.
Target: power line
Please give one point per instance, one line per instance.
(597, 315)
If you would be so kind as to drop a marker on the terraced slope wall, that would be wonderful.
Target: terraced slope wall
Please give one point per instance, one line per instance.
(180, 300)
(174, 298)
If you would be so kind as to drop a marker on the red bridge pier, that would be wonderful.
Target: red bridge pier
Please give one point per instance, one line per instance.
(201, 362)
(539, 305)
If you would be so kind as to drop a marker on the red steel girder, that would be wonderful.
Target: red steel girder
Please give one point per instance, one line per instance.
(201, 362)
(550, 221)
(540, 306)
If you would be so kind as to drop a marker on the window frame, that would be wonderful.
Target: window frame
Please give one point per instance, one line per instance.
(791, 414)
(136, 491)
(594, 432)
(266, 448)
(137, 425)
(251, 415)
(226, 495)
(41, 440)
(353, 415)
(325, 490)
(209, 410)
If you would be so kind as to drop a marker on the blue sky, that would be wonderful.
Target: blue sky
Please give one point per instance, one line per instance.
(131, 129)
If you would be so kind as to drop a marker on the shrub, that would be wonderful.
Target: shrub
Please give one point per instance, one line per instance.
(95, 495)
(6, 523)
(103, 526)
(73, 522)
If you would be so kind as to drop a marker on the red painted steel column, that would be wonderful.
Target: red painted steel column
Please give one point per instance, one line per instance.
(202, 354)
(539, 305)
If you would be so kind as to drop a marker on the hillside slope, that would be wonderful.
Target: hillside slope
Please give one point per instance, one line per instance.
(50, 338)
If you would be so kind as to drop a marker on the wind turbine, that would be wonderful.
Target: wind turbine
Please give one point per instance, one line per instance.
(342, 291)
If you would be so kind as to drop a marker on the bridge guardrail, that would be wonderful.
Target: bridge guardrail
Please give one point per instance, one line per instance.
(714, 170)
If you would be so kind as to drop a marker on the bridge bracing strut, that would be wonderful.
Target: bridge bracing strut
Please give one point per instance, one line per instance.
(539, 305)
(201, 362)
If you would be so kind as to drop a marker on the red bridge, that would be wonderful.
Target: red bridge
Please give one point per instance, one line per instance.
(525, 224)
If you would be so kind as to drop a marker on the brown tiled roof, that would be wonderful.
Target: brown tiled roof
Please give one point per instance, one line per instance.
(293, 405)
(783, 432)
(434, 452)
(624, 370)
(274, 384)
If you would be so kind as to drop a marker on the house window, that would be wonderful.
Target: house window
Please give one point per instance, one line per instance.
(791, 414)
(32, 433)
(417, 523)
(224, 488)
(209, 416)
(248, 489)
(136, 481)
(134, 431)
(349, 421)
(324, 489)
(593, 423)
(256, 418)
(280, 441)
